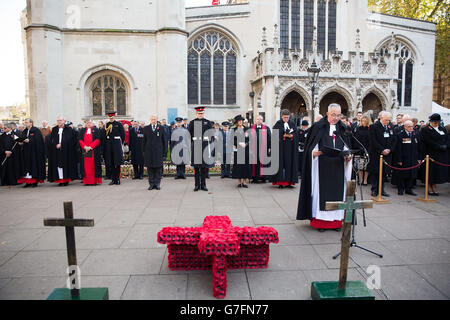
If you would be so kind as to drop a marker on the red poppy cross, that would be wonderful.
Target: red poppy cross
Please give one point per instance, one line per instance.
(218, 246)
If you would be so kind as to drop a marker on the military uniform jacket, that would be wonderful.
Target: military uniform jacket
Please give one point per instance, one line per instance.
(113, 138)
(200, 140)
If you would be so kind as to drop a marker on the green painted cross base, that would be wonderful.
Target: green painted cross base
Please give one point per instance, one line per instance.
(85, 294)
(328, 290)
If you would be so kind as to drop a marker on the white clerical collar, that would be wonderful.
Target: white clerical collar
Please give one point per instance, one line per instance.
(332, 129)
(89, 131)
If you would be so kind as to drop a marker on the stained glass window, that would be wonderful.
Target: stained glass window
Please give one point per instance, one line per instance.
(218, 78)
(408, 82)
(214, 54)
(321, 26)
(109, 93)
(308, 18)
(205, 78)
(284, 25)
(295, 22)
(193, 77)
(405, 71)
(332, 16)
(231, 78)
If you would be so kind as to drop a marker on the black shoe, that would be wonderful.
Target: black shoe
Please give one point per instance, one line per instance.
(280, 187)
(150, 188)
(321, 230)
(338, 229)
(66, 184)
(158, 188)
(177, 178)
(374, 194)
(60, 185)
(112, 183)
(411, 193)
(27, 185)
(400, 193)
(141, 178)
(196, 188)
(240, 185)
(34, 185)
(245, 186)
(384, 194)
(204, 188)
(135, 178)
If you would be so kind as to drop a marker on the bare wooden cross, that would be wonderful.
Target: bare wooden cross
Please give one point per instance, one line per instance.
(349, 206)
(70, 223)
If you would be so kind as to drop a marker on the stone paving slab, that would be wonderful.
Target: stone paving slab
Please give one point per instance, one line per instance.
(121, 251)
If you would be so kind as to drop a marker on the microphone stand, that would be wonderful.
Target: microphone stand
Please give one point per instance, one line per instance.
(354, 220)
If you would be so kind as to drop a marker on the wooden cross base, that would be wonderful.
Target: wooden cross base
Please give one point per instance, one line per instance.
(343, 289)
(85, 294)
(329, 290)
(380, 200)
(426, 200)
(218, 246)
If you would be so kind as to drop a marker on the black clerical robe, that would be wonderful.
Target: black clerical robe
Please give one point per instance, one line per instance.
(288, 155)
(324, 177)
(33, 155)
(65, 158)
(10, 170)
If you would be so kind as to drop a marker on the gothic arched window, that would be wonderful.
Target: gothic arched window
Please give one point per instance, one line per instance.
(212, 69)
(405, 72)
(108, 93)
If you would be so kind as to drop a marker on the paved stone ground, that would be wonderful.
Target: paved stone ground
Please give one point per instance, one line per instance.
(121, 251)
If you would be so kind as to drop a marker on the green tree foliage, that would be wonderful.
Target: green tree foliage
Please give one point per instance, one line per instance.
(437, 11)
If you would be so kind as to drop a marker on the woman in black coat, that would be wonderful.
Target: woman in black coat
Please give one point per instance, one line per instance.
(362, 134)
(435, 143)
(241, 166)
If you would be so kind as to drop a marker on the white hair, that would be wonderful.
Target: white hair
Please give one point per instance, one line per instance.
(60, 117)
(334, 105)
(385, 114)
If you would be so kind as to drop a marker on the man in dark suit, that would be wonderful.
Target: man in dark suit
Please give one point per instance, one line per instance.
(406, 155)
(382, 142)
(155, 151)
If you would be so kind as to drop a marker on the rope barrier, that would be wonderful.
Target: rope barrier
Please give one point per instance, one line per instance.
(404, 169)
(440, 164)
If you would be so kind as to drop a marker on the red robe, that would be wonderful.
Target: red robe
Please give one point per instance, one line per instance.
(89, 163)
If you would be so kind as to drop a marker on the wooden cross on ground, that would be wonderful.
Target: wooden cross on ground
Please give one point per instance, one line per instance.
(350, 206)
(344, 290)
(70, 223)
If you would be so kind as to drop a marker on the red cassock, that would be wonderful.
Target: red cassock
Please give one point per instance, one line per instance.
(89, 163)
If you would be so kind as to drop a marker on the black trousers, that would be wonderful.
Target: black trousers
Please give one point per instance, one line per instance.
(405, 184)
(200, 176)
(138, 170)
(115, 173)
(154, 176)
(181, 171)
(375, 182)
(226, 170)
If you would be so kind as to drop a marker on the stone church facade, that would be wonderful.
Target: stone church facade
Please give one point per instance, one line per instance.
(85, 58)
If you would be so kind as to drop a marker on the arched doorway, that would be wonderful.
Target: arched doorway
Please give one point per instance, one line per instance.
(333, 97)
(372, 105)
(295, 103)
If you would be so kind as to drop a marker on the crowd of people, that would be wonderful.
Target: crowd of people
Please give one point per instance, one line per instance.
(63, 153)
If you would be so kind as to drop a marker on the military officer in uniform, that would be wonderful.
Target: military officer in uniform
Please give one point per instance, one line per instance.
(200, 158)
(179, 148)
(114, 136)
